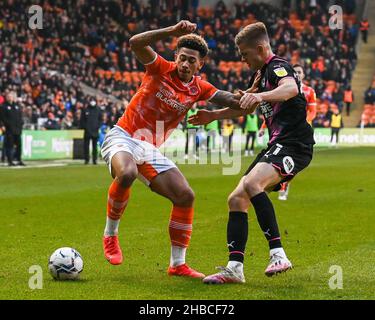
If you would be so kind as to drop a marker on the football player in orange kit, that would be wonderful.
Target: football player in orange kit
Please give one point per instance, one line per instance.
(168, 91)
(310, 97)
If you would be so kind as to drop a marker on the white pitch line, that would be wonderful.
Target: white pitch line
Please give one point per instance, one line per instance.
(36, 166)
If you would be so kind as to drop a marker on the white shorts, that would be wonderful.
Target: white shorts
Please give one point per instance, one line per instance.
(150, 162)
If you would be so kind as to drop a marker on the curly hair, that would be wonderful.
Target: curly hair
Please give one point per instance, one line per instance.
(194, 42)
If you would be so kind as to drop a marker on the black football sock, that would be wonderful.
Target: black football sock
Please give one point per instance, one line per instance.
(237, 231)
(267, 219)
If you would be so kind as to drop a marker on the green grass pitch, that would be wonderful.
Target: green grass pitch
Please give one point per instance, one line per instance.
(328, 220)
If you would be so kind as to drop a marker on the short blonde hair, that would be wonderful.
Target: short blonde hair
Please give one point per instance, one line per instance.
(252, 34)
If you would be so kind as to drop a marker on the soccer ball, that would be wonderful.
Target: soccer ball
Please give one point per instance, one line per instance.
(65, 264)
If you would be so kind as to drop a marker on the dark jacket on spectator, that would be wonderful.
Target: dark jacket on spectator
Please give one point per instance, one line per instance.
(51, 124)
(11, 118)
(91, 120)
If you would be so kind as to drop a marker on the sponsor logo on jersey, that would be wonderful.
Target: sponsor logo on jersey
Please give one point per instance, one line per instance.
(266, 109)
(288, 164)
(280, 72)
(171, 102)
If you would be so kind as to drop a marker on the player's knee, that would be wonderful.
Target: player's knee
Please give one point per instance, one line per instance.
(126, 177)
(253, 188)
(184, 197)
(233, 200)
(237, 202)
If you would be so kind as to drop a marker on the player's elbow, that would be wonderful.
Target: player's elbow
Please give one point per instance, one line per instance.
(133, 43)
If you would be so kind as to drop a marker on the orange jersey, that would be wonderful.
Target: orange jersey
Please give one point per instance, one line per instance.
(162, 102)
(310, 97)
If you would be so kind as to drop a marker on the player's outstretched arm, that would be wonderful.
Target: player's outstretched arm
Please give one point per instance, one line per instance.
(226, 99)
(286, 90)
(203, 117)
(232, 100)
(141, 43)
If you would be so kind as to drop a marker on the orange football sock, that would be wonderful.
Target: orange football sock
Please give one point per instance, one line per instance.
(180, 226)
(117, 200)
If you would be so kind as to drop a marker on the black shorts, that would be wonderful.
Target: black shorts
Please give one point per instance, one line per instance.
(288, 159)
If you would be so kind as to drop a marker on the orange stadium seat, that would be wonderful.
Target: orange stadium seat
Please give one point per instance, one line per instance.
(368, 115)
(223, 66)
(108, 74)
(368, 107)
(135, 77)
(365, 120)
(117, 76)
(127, 76)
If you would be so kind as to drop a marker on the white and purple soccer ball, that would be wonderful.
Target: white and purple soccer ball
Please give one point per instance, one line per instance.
(65, 264)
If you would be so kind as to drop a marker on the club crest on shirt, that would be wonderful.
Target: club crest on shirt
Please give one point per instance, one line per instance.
(280, 72)
(193, 90)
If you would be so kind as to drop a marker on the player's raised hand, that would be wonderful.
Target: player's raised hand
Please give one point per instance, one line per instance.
(250, 101)
(254, 87)
(183, 27)
(202, 117)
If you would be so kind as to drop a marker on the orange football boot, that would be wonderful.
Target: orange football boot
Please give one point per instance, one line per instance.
(185, 271)
(112, 250)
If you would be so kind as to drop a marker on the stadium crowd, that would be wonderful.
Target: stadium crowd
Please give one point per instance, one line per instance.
(85, 43)
(368, 114)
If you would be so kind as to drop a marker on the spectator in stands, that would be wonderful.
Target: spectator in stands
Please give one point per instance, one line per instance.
(348, 99)
(191, 133)
(365, 26)
(251, 129)
(336, 124)
(11, 117)
(227, 133)
(67, 122)
(338, 96)
(104, 128)
(370, 95)
(213, 134)
(51, 123)
(82, 46)
(2, 132)
(91, 119)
